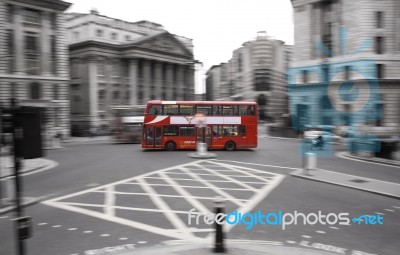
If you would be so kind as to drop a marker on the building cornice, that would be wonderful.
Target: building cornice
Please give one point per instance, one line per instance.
(57, 5)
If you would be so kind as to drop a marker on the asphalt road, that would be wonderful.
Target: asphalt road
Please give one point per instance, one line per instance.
(117, 195)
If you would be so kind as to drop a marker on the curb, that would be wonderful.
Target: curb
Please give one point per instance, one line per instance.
(27, 201)
(349, 156)
(49, 165)
(298, 174)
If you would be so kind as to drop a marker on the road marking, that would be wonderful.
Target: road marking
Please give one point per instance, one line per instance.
(334, 227)
(56, 226)
(142, 242)
(291, 242)
(379, 213)
(123, 238)
(105, 235)
(255, 164)
(320, 232)
(397, 207)
(180, 229)
(71, 229)
(42, 224)
(109, 202)
(88, 231)
(304, 236)
(389, 210)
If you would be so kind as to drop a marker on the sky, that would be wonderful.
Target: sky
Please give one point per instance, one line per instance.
(217, 27)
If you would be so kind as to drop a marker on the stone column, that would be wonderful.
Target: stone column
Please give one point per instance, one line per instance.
(146, 80)
(180, 82)
(189, 86)
(93, 91)
(169, 81)
(158, 80)
(19, 41)
(45, 45)
(133, 76)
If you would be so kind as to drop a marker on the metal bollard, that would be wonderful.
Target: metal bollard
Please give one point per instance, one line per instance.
(309, 162)
(219, 234)
(202, 149)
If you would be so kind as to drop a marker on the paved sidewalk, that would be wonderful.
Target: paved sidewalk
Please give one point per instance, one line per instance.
(86, 139)
(389, 189)
(393, 162)
(7, 193)
(233, 249)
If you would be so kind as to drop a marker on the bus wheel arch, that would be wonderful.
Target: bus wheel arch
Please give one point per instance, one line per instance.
(170, 146)
(230, 146)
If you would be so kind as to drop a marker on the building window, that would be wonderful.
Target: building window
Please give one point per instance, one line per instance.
(116, 97)
(380, 71)
(56, 117)
(10, 13)
(32, 53)
(347, 70)
(114, 36)
(32, 16)
(55, 92)
(115, 69)
(35, 91)
(239, 62)
(379, 19)
(53, 56)
(305, 76)
(101, 102)
(379, 45)
(10, 51)
(100, 68)
(99, 33)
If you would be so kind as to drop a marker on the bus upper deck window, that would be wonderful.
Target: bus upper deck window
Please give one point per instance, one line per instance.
(155, 109)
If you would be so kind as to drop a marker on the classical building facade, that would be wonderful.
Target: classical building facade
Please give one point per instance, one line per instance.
(114, 62)
(339, 43)
(256, 72)
(34, 65)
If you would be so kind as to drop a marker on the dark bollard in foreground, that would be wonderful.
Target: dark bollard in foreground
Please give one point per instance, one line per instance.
(220, 219)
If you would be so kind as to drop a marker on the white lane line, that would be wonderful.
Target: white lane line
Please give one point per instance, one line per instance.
(105, 235)
(187, 196)
(183, 179)
(230, 179)
(88, 231)
(142, 242)
(56, 226)
(255, 164)
(333, 227)
(320, 232)
(291, 242)
(113, 183)
(379, 213)
(183, 186)
(304, 236)
(123, 238)
(122, 221)
(389, 210)
(230, 175)
(397, 207)
(162, 195)
(42, 224)
(172, 217)
(247, 171)
(123, 208)
(4, 217)
(109, 201)
(214, 188)
(71, 229)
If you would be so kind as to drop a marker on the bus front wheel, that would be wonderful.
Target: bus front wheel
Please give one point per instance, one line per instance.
(170, 146)
(230, 146)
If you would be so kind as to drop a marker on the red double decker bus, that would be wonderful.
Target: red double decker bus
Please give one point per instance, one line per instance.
(172, 125)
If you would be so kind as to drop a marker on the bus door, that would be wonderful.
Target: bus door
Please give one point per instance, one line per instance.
(154, 137)
(204, 135)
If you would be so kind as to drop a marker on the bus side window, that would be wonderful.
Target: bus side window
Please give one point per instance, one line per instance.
(155, 110)
(250, 110)
(242, 130)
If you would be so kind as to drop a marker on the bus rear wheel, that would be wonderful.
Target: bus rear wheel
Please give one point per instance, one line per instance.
(230, 146)
(170, 146)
